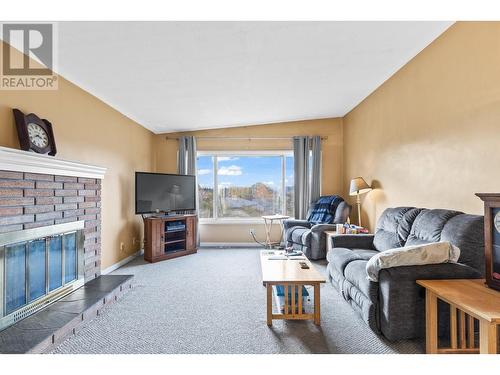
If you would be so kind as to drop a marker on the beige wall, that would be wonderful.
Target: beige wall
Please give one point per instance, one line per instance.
(89, 131)
(430, 135)
(332, 150)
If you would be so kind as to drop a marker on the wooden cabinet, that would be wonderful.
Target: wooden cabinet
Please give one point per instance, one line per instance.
(492, 238)
(169, 237)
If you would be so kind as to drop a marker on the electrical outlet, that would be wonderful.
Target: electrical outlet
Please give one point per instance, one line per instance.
(134, 241)
(252, 231)
(122, 246)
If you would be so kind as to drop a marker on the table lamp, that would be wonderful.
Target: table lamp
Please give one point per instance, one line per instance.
(359, 186)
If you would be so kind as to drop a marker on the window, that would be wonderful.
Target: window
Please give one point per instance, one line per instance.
(245, 185)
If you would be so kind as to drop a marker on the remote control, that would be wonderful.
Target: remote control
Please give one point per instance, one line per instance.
(304, 265)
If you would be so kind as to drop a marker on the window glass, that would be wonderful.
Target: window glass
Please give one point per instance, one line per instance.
(205, 165)
(289, 183)
(249, 186)
(246, 186)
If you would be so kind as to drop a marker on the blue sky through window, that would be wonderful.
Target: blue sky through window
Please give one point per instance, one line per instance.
(245, 170)
(239, 191)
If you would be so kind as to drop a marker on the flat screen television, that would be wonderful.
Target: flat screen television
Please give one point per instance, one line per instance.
(160, 192)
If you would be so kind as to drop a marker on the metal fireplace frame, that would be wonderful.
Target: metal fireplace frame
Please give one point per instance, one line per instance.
(29, 235)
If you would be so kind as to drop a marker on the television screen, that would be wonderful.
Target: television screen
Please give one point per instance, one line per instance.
(164, 192)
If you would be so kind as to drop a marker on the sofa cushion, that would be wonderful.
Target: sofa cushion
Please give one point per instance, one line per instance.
(355, 273)
(467, 233)
(428, 226)
(393, 227)
(340, 257)
(364, 253)
(406, 223)
(300, 235)
(361, 294)
(431, 253)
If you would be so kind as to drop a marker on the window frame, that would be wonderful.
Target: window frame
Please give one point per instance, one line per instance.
(241, 220)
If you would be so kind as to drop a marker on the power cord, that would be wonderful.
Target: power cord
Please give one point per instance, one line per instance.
(252, 233)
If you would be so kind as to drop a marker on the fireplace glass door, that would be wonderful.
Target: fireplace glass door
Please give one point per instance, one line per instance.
(37, 270)
(15, 277)
(55, 262)
(34, 268)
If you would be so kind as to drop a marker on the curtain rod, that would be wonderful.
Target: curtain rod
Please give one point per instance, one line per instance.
(323, 138)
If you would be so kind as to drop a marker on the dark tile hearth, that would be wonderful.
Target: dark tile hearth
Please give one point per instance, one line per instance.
(40, 332)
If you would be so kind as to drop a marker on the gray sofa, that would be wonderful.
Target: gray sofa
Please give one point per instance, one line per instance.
(309, 237)
(395, 305)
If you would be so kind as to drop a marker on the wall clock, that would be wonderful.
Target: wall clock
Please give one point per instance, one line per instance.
(35, 134)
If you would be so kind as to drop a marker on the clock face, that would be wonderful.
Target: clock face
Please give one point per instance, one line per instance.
(496, 221)
(37, 135)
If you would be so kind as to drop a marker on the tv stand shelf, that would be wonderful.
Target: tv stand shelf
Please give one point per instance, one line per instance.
(169, 237)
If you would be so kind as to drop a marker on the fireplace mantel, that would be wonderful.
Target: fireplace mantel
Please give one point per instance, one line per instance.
(25, 161)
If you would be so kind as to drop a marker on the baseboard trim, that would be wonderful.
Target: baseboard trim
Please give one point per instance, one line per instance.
(229, 244)
(122, 262)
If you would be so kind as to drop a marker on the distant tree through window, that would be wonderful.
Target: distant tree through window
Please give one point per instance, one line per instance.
(245, 185)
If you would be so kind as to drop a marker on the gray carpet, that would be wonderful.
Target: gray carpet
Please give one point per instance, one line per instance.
(214, 302)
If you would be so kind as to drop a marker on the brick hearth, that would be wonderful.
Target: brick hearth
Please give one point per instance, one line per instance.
(30, 200)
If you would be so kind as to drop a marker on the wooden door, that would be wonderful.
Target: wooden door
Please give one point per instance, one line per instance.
(190, 232)
(148, 248)
(158, 237)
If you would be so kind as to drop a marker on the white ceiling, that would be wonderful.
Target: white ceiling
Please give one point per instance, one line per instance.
(177, 76)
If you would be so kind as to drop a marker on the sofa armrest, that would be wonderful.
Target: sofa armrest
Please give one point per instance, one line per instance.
(430, 272)
(402, 300)
(320, 228)
(351, 241)
(289, 223)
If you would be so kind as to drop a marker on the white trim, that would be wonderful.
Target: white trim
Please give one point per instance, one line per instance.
(26, 161)
(230, 244)
(231, 221)
(122, 262)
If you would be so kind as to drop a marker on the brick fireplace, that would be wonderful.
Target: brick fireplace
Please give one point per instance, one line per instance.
(32, 200)
(50, 250)
(50, 230)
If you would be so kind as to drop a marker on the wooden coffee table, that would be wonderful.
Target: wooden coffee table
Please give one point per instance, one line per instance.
(289, 274)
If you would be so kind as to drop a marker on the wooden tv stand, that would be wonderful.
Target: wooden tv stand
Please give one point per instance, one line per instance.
(169, 237)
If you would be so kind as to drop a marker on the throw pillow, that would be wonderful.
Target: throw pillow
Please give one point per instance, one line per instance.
(432, 253)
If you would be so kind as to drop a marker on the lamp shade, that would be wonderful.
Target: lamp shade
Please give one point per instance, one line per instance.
(359, 186)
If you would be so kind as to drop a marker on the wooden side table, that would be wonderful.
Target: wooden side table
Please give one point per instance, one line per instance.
(329, 234)
(268, 223)
(469, 300)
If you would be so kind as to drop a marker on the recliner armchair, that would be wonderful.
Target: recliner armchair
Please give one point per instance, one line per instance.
(309, 235)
